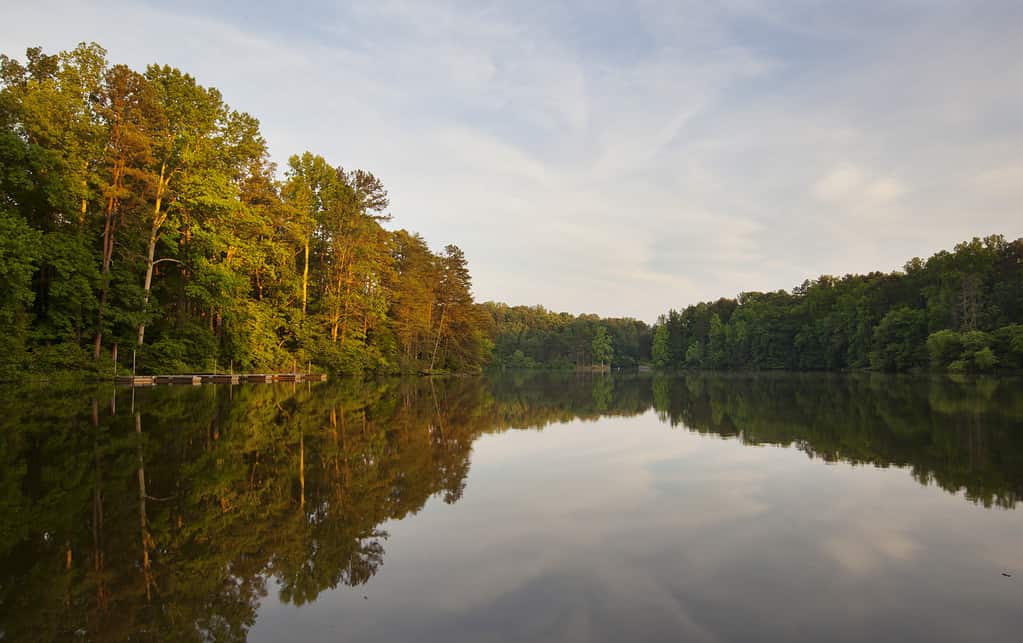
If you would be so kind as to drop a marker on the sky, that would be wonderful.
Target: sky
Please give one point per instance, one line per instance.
(620, 158)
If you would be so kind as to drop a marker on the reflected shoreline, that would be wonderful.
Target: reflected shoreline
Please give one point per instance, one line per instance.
(171, 510)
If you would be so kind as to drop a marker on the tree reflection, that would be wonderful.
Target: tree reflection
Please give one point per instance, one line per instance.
(962, 435)
(173, 517)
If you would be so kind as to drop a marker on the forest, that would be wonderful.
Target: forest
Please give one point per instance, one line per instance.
(959, 311)
(533, 337)
(139, 211)
(142, 219)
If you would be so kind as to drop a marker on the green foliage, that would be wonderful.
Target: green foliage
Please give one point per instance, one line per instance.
(898, 340)
(563, 341)
(518, 359)
(193, 346)
(942, 311)
(1009, 343)
(67, 357)
(659, 351)
(601, 346)
(944, 347)
(717, 343)
(976, 350)
(694, 355)
(985, 359)
(20, 247)
(975, 340)
(139, 209)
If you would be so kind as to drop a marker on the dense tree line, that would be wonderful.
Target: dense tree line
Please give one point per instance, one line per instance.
(533, 337)
(139, 210)
(957, 311)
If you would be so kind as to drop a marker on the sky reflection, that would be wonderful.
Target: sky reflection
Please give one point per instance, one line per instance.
(626, 529)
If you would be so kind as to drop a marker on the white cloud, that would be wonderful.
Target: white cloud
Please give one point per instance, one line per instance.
(885, 189)
(622, 163)
(850, 185)
(839, 184)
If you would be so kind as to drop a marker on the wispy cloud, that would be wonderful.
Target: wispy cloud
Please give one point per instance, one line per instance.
(621, 158)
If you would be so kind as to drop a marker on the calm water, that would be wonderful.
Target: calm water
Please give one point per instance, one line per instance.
(556, 508)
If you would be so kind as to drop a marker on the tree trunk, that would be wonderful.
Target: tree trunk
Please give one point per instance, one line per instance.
(97, 513)
(109, 226)
(147, 284)
(154, 232)
(347, 300)
(80, 318)
(305, 278)
(440, 331)
(143, 522)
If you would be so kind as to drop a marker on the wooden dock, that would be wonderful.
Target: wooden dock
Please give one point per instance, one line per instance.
(224, 379)
(137, 381)
(190, 380)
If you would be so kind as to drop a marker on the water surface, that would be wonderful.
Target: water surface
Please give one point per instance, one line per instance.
(517, 507)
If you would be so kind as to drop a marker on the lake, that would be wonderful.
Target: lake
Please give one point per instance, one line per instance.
(516, 507)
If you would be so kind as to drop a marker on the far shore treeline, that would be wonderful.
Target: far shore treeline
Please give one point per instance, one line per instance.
(957, 311)
(139, 213)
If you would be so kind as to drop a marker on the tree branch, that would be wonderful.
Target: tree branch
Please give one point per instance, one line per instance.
(168, 259)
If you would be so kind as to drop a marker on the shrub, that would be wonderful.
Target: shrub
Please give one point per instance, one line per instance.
(985, 359)
(1008, 342)
(944, 347)
(975, 340)
(899, 340)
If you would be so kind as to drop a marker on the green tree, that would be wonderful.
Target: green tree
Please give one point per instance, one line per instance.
(660, 349)
(602, 347)
(899, 340)
(20, 248)
(860, 321)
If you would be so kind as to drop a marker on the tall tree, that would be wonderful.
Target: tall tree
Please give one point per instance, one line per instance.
(602, 348)
(130, 112)
(186, 142)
